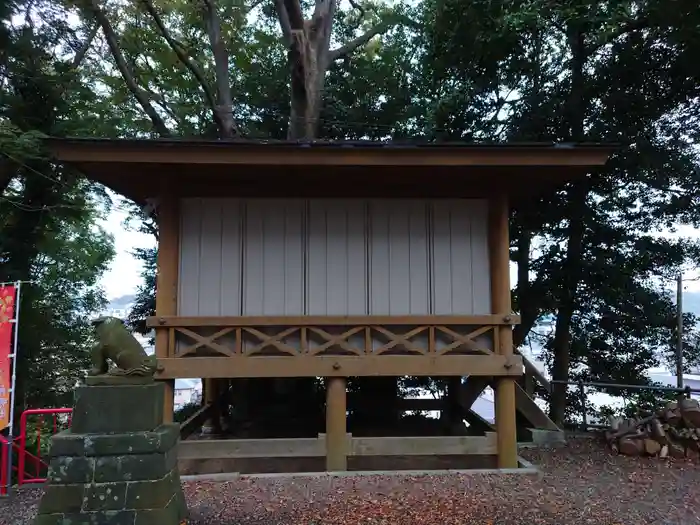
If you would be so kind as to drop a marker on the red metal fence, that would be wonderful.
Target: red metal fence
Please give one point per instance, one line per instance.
(27, 447)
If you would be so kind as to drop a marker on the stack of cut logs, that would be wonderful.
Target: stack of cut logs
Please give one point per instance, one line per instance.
(673, 431)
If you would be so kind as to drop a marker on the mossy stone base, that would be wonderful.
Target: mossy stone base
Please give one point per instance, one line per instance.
(114, 471)
(153, 502)
(138, 488)
(107, 409)
(160, 441)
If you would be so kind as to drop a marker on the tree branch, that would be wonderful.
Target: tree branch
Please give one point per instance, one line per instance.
(360, 41)
(357, 6)
(294, 14)
(127, 74)
(629, 27)
(223, 111)
(80, 53)
(323, 25)
(179, 50)
(285, 25)
(362, 13)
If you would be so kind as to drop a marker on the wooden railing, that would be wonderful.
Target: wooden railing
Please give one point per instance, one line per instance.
(354, 345)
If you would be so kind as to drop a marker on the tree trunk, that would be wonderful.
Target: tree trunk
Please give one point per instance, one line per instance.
(306, 99)
(309, 58)
(567, 306)
(576, 211)
(527, 305)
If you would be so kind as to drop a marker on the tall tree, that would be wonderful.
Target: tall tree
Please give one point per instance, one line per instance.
(587, 254)
(48, 234)
(225, 27)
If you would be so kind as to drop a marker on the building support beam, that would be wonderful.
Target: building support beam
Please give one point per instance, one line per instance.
(167, 284)
(243, 366)
(336, 431)
(499, 256)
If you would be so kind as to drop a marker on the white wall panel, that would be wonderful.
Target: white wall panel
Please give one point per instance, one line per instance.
(188, 273)
(232, 256)
(399, 276)
(210, 257)
(333, 257)
(460, 258)
(273, 271)
(337, 258)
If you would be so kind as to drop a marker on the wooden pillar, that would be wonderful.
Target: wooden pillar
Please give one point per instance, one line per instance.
(167, 283)
(336, 431)
(499, 244)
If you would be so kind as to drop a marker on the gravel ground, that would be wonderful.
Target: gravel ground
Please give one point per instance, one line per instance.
(579, 484)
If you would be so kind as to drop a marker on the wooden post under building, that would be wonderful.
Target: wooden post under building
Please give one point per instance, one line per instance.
(168, 214)
(499, 251)
(336, 432)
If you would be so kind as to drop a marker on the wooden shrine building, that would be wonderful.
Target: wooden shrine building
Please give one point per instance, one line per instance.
(335, 260)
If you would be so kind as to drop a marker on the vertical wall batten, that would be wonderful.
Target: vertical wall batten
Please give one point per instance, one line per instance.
(429, 225)
(243, 227)
(368, 256)
(305, 256)
(253, 262)
(333, 257)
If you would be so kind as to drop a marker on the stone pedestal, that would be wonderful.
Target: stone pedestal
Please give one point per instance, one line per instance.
(117, 464)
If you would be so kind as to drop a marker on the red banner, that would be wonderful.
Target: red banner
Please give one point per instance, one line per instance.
(7, 313)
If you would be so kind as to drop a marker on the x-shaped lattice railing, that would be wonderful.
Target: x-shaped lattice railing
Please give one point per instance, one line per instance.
(204, 341)
(401, 339)
(466, 340)
(404, 341)
(273, 340)
(339, 340)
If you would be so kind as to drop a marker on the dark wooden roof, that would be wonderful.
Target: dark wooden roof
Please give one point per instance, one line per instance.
(142, 168)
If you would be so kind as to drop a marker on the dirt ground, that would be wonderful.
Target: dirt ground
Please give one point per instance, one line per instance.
(581, 483)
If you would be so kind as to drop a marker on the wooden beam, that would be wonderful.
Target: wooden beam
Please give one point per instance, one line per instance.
(195, 421)
(423, 445)
(532, 370)
(472, 389)
(523, 402)
(531, 411)
(167, 284)
(356, 446)
(336, 429)
(163, 321)
(479, 424)
(285, 154)
(499, 252)
(340, 366)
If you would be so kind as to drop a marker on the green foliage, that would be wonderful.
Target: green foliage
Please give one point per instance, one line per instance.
(49, 236)
(186, 411)
(603, 72)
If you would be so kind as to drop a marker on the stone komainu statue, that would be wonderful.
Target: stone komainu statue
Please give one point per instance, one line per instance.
(116, 343)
